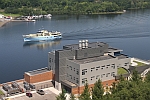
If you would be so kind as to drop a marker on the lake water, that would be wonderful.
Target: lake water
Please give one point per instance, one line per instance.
(129, 31)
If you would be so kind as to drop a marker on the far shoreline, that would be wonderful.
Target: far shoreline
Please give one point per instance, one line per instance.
(3, 21)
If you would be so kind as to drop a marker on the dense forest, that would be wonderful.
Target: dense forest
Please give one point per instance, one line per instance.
(37, 7)
(134, 89)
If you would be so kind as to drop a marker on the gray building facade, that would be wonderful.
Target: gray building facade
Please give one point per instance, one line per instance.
(77, 63)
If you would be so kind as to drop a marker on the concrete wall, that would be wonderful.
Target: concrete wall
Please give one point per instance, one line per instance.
(104, 70)
(125, 63)
(51, 61)
(60, 64)
(73, 72)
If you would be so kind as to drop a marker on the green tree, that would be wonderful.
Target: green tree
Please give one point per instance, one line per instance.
(135, 76)
(61, 96)
(98, 90)
(147, 78)
(85, 95)
(72, 97)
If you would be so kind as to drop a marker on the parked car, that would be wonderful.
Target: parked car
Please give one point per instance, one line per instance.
(29, 94)
(41, 92)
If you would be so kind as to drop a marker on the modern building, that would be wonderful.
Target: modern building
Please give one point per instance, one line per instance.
(85, 62)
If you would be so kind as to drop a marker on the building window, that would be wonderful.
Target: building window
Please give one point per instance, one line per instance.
(107, 74)
(50, 68)
(92, 69)
(102, 76)
(74, 70)
(77, 72)
(84, 71)
(74, 78)
(92, 77)
(113, 74)
(70, 76)
(97, 77)
(102, 67)
(77, 81)
(67, 75)
(100, 51)
(113, 66)
(107, 66)
(97, 67)
(50, 60)
(84, 80)
(125, 64)
(70, 67)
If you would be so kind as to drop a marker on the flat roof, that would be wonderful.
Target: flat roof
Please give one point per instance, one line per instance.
(139, 69)
(92, 59)
(122, 56)
(90, 45)
(111, 49)
(38, 71)
(68, 83)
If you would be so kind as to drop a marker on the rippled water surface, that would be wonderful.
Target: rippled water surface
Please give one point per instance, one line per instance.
(129, 31)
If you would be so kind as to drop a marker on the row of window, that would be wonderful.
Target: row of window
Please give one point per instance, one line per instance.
(92, 77)
(98, 77)
(84, 71)
(75, 79)
(50, 60)
(74, 69)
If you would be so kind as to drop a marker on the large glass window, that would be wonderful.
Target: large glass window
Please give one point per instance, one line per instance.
(113, 66)
(77, 72)
(84, 80)
(92, 69)
(97, 67)
(84, 71)
(77, 80)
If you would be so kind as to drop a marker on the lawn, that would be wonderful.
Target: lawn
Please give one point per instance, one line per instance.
(1, 93)
(121, 71)
(12, 15)
(139, 63)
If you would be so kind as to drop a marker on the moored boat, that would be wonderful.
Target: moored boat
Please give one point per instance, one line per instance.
(42, 35)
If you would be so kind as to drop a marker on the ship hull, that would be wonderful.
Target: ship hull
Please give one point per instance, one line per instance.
(41, 38)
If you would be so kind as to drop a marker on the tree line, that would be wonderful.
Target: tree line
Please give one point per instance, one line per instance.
(37, 7)
(134, 89)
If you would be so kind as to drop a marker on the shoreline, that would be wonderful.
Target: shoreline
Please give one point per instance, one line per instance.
(3, 22)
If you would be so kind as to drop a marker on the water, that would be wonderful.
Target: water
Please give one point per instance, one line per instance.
(129, 31)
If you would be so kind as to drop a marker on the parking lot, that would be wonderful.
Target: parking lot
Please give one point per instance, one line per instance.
(49, 95)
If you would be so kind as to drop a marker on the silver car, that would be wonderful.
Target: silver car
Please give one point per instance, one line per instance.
(41, 92)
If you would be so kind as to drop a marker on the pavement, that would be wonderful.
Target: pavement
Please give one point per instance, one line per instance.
(50, 94)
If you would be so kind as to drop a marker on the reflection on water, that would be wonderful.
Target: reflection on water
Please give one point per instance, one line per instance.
(41, 44)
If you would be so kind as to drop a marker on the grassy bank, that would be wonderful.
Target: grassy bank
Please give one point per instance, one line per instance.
(121, 71)
(1, 93)
(12, 15)
(139, 63)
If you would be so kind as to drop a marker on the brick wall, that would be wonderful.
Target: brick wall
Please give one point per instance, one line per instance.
(39, 77)
(79, 90)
